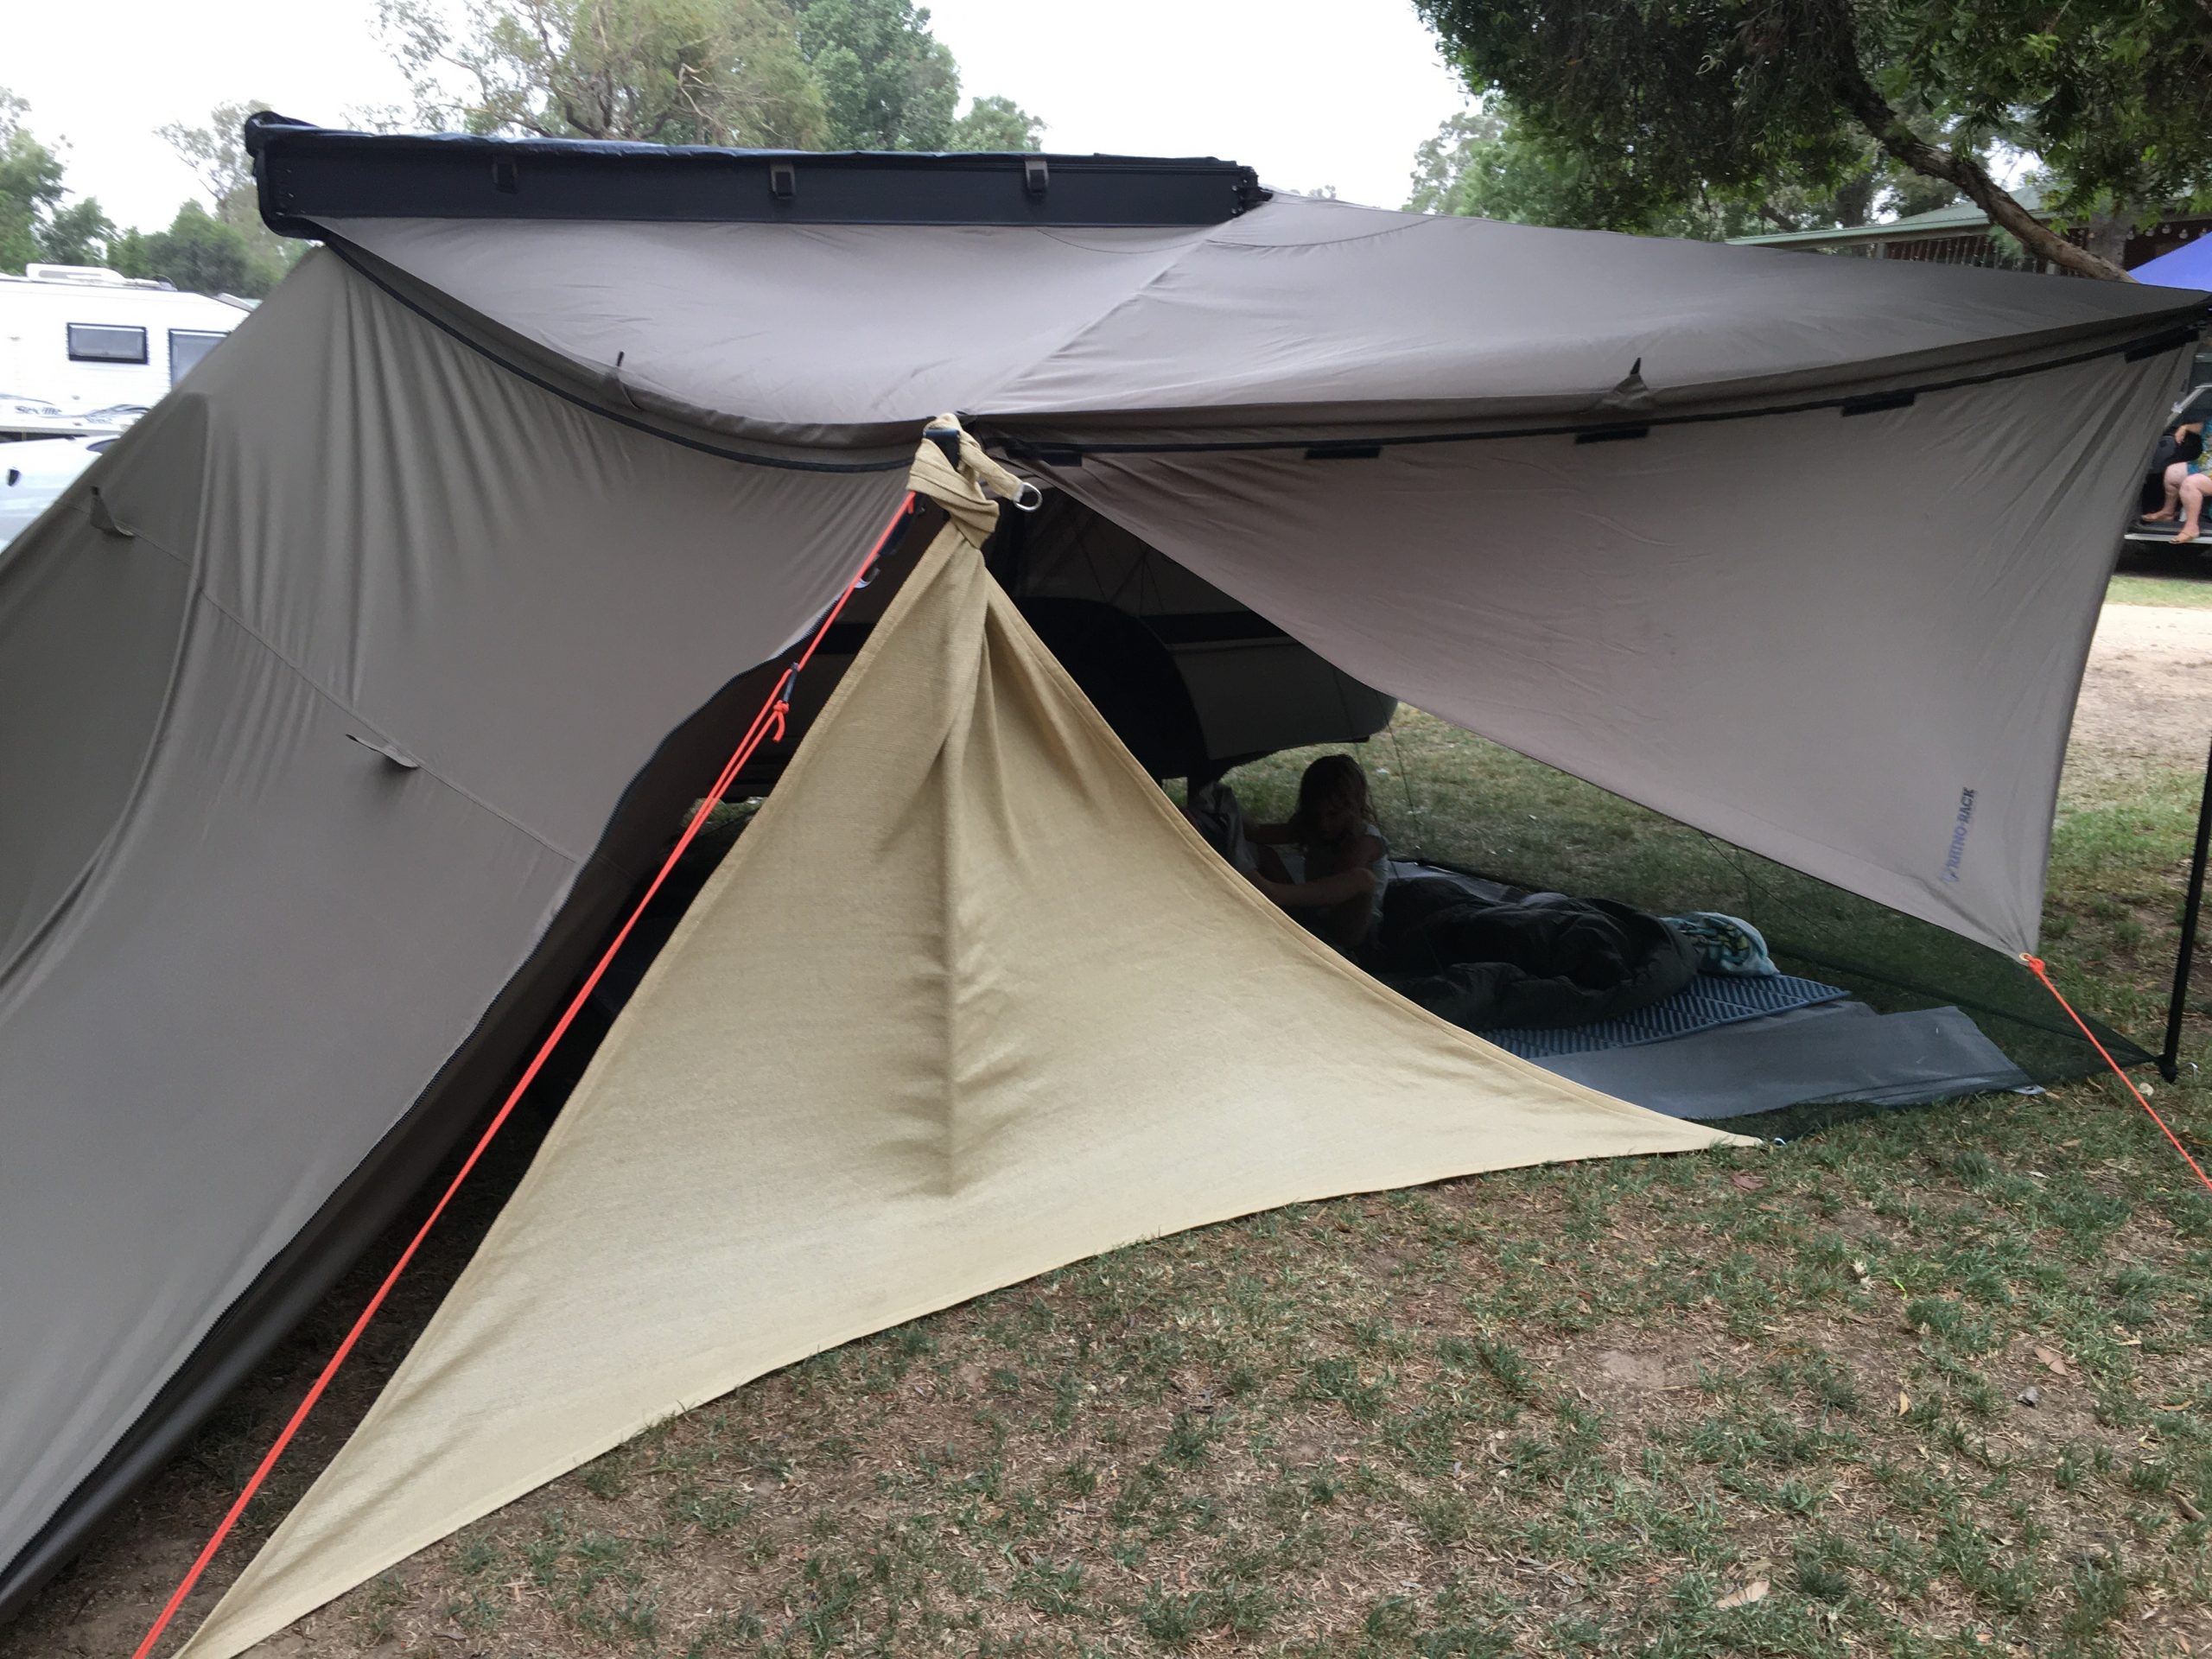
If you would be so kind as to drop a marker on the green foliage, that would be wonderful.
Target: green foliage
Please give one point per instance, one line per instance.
(996, 123)
(197, 252)
(1488, 163)
(886, 82)
(1673, 102)
(2113, 96)
(31, 186)
(77, 235)
(228, 251)
(717, 72)
(1667, 100)
(1483, 164)
(216, 152)
(823, 74)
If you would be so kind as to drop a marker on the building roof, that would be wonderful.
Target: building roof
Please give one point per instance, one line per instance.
(1960, 219)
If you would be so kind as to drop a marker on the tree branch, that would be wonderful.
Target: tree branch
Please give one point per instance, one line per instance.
(1889, 128)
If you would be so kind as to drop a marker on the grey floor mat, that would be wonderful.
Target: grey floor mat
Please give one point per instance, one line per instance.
(1840, 1051)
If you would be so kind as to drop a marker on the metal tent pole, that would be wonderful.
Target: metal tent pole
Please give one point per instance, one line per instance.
(2169, 1061)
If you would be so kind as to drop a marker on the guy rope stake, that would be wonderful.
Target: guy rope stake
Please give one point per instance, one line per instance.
(2036, 967)
(772, 714)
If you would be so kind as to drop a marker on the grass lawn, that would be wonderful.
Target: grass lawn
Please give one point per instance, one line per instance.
(2131, 588)
(1932, 1383)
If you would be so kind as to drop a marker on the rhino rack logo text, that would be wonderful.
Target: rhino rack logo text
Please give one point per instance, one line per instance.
(1959, 828)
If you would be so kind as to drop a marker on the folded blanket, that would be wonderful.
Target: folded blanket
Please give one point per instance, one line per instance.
(1539, 961)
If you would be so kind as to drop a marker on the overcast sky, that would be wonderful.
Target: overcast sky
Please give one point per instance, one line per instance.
(1311, 93)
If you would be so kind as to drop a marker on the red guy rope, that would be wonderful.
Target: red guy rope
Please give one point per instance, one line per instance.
(771, 715)
(2036, 967)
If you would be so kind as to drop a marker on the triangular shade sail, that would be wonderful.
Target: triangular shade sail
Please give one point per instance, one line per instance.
(967, 1001)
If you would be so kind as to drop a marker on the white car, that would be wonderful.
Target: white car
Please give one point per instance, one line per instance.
(35, 471)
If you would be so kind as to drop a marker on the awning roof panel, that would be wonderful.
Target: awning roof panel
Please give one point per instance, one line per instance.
(1300, 308)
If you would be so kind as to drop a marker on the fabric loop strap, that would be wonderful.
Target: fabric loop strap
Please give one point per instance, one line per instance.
(971, 491)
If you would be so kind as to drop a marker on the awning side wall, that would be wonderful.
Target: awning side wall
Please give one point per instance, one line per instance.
(1848, 642)
(437, 621)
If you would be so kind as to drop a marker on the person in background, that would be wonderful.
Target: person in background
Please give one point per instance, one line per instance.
(2181, 456)
(1343, 861)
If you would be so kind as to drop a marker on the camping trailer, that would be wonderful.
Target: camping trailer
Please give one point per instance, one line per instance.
(88, 340)
(362, 686)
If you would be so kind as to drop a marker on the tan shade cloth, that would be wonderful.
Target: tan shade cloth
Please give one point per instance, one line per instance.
(969, 1000)
(969, 492)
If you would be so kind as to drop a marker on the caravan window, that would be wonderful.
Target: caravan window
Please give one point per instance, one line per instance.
(105, 342)
(187, 347)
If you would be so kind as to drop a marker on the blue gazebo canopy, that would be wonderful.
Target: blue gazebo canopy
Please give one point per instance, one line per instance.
(2187, 266)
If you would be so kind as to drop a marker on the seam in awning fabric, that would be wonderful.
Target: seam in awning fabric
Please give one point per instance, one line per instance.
(1051, 451)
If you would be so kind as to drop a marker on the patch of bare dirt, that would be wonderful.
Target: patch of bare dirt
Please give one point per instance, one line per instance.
(1643, 1369)
(2146, 698)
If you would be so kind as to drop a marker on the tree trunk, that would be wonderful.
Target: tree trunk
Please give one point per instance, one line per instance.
(1889, 130)
(2106, 235)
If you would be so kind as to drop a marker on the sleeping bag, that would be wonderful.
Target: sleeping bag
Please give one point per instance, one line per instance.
(1539, 959)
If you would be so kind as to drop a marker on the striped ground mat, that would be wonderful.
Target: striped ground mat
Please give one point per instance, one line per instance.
(1709, 1000)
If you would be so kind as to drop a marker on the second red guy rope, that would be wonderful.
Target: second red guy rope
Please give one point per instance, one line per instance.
(2036, 967)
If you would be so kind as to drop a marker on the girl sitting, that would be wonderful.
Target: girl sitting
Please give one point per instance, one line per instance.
(1343, 864)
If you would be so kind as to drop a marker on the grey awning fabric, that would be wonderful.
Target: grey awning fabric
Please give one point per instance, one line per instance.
(1298, 310)
(253, 938)
(1734, 618)
(1850, 643)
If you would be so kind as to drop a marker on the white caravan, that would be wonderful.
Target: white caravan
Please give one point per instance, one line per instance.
(85, 349)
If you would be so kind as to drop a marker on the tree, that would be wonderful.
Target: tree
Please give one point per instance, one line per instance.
(1484, 165)
(1668, 99)
(197, 252)
(889, 84)
(78, 234)
(886, 82)
(837, 74)
(1486, 162)
(996, 123)
(31, 186)
(714, 72)
(216, 152)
